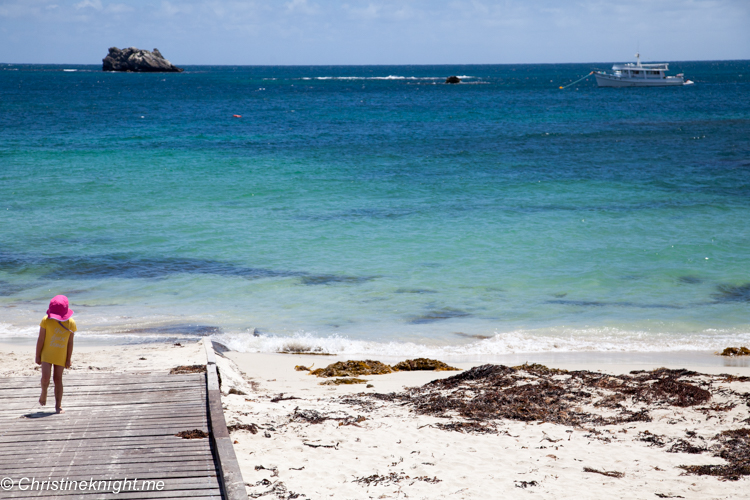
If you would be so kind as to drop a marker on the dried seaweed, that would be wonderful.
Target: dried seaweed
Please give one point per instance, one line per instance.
(252, 428)
(177, 370)
(734, 447)
(608, 473)
(420, 364)
(344, 381)
(468, 427)
(652, 439)
(683, 446)
(735, 351)
(237, 392)
(352, 369)
(525, 484)
(533, 392)
(194, 434)
(393, 478)
(309, 416)
(281, 397)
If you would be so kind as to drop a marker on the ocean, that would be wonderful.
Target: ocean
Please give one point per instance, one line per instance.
(377, 210)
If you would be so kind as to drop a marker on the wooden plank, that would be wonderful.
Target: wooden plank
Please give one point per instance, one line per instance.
(131, 470)
(194, 493)
(171, 476)
(23, 428)
(96, 458)
(125, 442)
(99, 379)
(62, 451)
(173, 485)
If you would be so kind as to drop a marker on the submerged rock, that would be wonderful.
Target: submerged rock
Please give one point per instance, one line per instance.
(137, 60)
(453, 79)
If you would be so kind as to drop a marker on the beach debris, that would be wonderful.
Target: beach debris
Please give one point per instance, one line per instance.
(309, 416)
(251, 428)
(735, 351)
(393, 478)
(302, 368)
(344, 381)
(313, 445)
(194, 434)
(237, 392)
(664, 495)
(281, 397)
(468, 427)
(525, 484)
(734, 447)
(178, 370)
(683, 446)
(352, 369)
(423, 364)
(651, 439)
(533, 392)
(353, 421)
(608, 473)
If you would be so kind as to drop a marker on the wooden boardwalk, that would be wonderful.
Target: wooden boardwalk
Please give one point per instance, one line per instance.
(115, 427)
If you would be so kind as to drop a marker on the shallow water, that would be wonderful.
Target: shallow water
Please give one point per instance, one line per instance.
(374, 209)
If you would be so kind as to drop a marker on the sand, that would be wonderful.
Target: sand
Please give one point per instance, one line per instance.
(372, 448)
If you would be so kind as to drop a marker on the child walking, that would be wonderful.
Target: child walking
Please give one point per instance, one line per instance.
(55, 347)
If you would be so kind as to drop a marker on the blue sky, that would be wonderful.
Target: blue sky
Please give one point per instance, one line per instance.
(375, 32)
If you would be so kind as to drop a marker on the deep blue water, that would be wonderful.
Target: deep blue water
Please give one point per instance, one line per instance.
(376, 209)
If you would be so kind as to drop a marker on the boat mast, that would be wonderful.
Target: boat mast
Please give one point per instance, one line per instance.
(638, 58)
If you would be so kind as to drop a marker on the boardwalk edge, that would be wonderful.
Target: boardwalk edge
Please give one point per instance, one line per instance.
(229, 468)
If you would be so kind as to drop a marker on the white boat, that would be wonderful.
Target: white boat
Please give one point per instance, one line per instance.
(639, 75)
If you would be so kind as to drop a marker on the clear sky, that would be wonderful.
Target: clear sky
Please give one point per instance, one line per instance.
(374, 31)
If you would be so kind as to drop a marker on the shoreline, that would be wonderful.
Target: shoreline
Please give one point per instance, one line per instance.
(294, 436)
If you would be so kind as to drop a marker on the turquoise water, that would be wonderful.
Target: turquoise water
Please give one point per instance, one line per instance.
(374, 209)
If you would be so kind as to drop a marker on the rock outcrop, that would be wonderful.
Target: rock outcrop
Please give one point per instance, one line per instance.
(453, 79)
(137, 60)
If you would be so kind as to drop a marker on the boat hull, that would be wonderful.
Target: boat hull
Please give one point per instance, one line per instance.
(604, 80)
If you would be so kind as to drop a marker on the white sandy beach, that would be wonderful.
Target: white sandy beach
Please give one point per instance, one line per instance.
(366, 447)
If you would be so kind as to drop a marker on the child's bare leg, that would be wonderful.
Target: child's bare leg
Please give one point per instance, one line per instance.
(46, 371)
(57, 376)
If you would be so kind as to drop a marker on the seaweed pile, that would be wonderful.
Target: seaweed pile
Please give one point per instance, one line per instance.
(478, 399)
(370, 367)
(178, 370)
(734, 447)
(537, 393)
(735, 351)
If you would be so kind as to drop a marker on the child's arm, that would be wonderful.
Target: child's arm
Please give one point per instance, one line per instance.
(40, 345)
(70, 350)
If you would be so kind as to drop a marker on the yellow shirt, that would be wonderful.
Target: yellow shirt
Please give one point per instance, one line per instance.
(55, 350)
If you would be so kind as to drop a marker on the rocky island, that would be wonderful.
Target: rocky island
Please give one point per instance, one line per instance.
(137, 60)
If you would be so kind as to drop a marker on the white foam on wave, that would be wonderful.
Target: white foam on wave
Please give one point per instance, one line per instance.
(8, 330)
(521, 341)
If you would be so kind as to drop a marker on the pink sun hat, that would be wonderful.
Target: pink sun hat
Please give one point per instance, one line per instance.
(58, 308)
